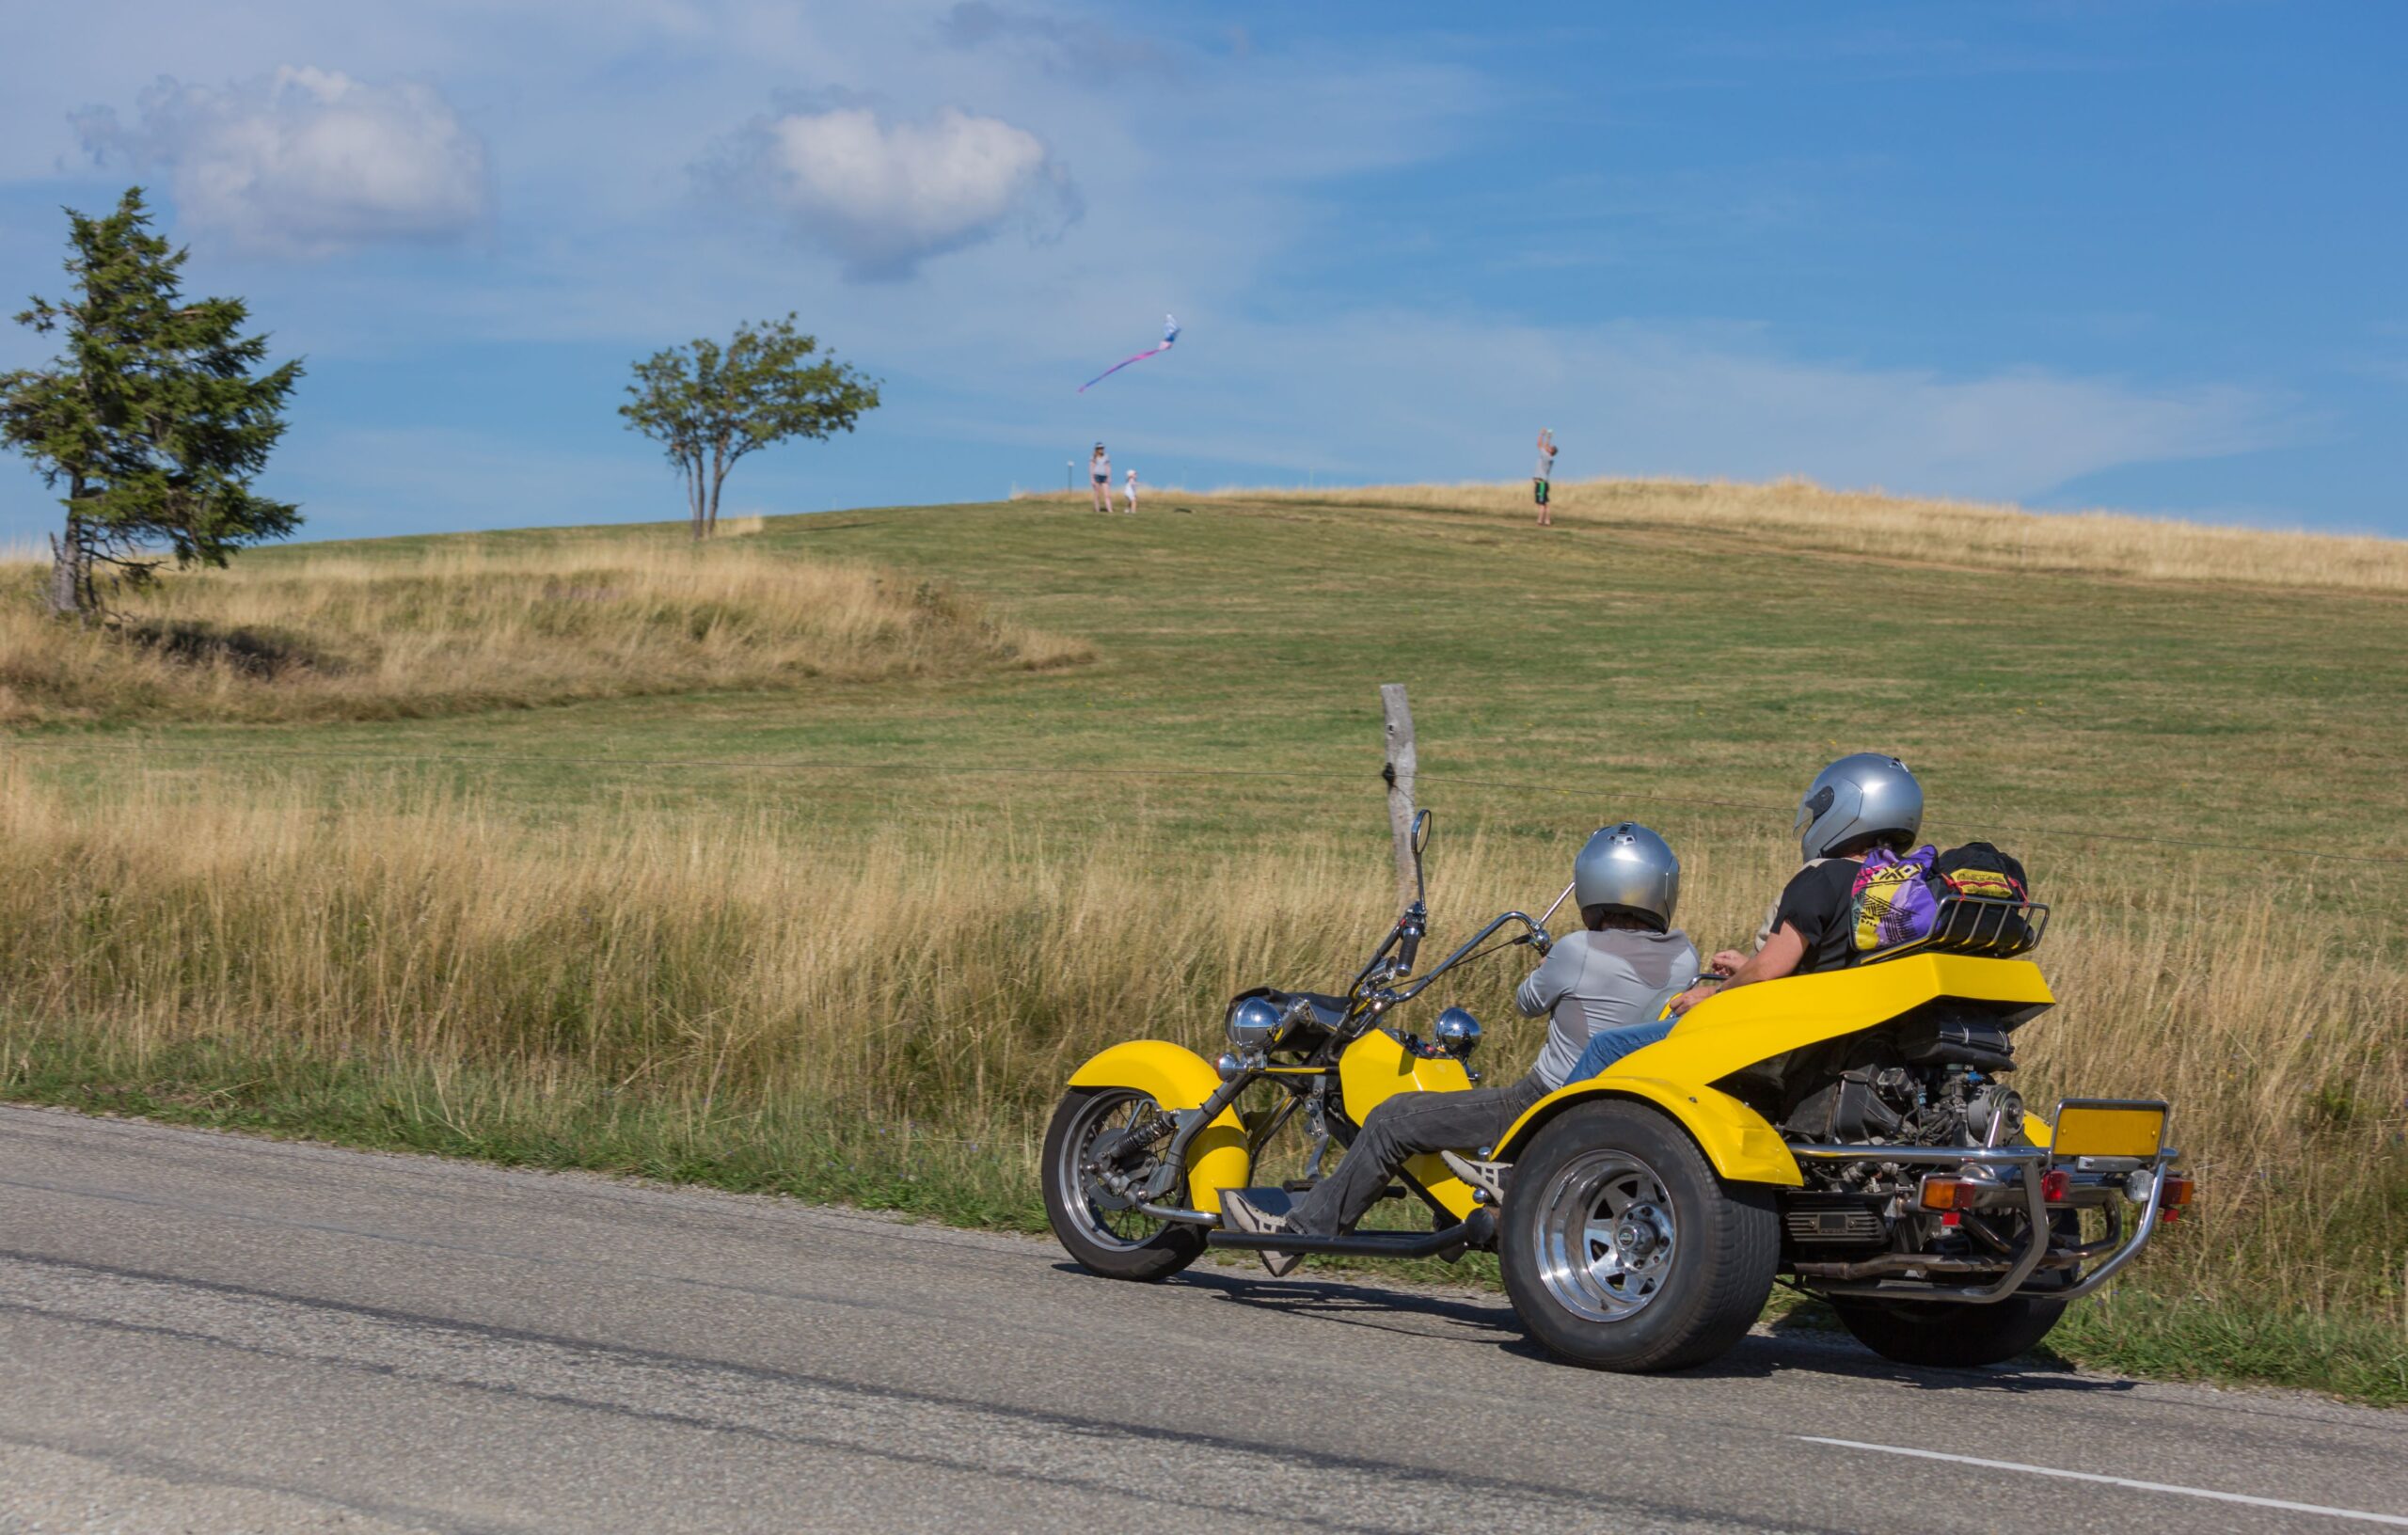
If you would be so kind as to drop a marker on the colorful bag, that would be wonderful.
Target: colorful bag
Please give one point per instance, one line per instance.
(1894, 901)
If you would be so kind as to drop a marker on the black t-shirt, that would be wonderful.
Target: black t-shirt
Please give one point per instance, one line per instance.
(1820, 902)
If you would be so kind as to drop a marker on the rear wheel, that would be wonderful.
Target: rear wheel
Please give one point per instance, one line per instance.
(1951, 1336)
(1621, 1249)
(1101, 1229)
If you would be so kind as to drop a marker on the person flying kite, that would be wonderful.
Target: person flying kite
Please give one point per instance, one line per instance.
(1170, 334)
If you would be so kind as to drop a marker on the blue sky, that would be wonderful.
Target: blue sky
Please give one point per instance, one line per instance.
(2143, 256)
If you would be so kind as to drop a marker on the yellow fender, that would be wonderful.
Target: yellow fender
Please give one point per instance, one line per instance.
(1176, 1076)
(1743, 1147)
(1725, 1032)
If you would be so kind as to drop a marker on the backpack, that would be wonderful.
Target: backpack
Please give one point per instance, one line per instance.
(1980, 871)
(1893, 898)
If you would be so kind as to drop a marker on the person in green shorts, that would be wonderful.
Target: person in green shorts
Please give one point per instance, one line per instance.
(1545, 472)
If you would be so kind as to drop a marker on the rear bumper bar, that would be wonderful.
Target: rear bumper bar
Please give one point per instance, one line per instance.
(2020, 1170)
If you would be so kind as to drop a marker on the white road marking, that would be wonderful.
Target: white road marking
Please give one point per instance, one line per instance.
(2113, 1481)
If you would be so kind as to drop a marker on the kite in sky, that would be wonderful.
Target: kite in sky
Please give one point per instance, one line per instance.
(1170, 334)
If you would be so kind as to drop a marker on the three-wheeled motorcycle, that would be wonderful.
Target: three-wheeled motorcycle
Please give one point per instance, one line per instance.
(1851, 1133)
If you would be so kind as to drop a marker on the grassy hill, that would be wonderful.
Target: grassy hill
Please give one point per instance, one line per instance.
(673, 881)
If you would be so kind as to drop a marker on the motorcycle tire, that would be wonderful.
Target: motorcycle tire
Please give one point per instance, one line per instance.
(1078, 1225)
(1621, 1248)
(1949, 1337)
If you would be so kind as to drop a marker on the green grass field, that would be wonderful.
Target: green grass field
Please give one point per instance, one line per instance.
(1590, 669)
(2204, 775)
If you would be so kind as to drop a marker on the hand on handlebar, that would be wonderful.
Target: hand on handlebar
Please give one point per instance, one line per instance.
(1727, 962)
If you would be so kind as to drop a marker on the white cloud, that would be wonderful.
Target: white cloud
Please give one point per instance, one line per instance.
(885, 196)
(304, 161)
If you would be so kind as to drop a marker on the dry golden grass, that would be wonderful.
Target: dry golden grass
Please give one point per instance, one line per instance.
(450, 629)
(949, 981)
(1798, 514)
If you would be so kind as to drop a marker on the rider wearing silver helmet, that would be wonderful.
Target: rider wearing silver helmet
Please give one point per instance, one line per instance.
(1856, 804)
(1609, 978)
(1606, 986)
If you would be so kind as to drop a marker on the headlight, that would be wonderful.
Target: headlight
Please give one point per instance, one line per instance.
(1457, 1032)
(1254, 1024)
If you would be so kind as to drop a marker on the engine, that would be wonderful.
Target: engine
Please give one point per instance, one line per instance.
(1913, 1105)
(1931, 1080)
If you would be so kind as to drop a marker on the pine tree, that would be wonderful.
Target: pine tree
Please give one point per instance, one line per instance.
(153, 416)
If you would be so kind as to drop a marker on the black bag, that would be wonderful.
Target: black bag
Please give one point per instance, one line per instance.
(1969, 865)
(1978, 872)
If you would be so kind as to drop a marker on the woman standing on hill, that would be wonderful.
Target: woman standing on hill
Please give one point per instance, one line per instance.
(1540, 481)
(1100, 478)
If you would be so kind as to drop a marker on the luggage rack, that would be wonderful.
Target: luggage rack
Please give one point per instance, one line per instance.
(1982, 925)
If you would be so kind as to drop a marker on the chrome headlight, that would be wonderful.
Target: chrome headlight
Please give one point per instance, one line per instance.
(1254, 1024)
(1456, 1031)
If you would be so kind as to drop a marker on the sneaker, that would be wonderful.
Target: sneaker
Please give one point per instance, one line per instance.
(1242, 1214)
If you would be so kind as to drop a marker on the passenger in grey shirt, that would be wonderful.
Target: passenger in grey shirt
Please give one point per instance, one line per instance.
(1613, 976)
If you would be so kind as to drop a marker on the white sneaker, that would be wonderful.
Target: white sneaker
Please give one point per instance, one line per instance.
(1241, 1214)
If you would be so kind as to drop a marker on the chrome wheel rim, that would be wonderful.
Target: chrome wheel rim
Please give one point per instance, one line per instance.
(1089, 1204)
(1606, 1236)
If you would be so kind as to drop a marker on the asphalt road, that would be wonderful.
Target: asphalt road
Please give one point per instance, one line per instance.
(202, 1333)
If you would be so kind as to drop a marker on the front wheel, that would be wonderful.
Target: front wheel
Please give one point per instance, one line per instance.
(1938, 1333)
(1099, 1228)
(1623, 1250)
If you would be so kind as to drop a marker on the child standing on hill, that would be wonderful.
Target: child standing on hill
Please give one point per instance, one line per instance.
(1130, 490)
(1545, 473)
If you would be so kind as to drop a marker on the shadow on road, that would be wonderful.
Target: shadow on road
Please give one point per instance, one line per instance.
(1795, 1349)
(1784, 1349)
(1417, 1313)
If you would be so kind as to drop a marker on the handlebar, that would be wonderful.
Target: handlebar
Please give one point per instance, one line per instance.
(1468, 944)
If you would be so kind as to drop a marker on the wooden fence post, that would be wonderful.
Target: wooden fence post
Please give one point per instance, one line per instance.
(1399, 774)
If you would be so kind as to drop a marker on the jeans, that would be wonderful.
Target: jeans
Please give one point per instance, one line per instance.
(1606, 1046)
(1404, 1126)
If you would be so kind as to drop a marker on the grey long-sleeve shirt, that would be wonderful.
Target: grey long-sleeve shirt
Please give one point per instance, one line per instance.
(1596, 981)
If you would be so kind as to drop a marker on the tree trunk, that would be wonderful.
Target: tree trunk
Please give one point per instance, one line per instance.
(71, 571)
(720, 464)
(694, 493)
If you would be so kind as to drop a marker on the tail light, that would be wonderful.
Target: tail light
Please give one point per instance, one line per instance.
(1950, 1193)
(2174, 1196)
(2054, 1185)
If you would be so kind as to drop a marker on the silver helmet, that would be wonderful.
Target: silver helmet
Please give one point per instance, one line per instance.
(1628, 868)
(1867, 795)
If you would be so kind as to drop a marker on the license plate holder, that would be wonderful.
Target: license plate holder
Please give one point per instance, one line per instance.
(2108, 1126)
